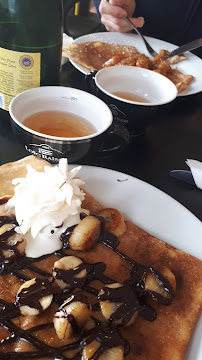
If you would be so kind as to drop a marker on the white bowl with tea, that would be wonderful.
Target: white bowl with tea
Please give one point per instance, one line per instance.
(133, 94)
(54, 122)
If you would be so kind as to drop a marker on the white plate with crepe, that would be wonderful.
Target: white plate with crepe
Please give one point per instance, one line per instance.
(155, 212)
(191, 66)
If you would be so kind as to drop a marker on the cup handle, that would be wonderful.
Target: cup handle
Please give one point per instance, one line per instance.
(90, 83)
(116, 138)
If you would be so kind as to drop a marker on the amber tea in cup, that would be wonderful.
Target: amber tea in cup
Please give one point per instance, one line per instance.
(130, 96)
(59, 123)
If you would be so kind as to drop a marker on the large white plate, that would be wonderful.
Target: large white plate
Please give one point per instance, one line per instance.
(191, 66)
(155, 212)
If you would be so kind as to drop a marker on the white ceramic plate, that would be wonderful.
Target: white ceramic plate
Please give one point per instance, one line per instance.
(191, 66)
(153, 211)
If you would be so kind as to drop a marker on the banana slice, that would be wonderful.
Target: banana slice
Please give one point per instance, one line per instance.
(152, 283)
(13, 242)
(69, 272)
(34, 296)
(86, 234)
(107, 307)
(115, 353)
(114, 221)
(17, 241)
(3, 202)
(114, 310)
(168, 274)
(90, 349)
(104, 342)
(6, 227)
(71, 317)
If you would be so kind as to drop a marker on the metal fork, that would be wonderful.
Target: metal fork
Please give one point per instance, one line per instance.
(149, 48)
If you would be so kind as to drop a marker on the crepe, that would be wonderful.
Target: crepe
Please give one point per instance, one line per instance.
(166, 338)
(96, 55)
(17, 169)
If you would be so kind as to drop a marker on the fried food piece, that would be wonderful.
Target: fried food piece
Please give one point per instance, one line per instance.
(181, 81)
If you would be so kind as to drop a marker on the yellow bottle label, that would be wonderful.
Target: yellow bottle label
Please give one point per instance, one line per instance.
(19, 71)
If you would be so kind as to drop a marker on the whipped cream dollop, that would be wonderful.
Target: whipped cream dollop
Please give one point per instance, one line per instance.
(45, 205)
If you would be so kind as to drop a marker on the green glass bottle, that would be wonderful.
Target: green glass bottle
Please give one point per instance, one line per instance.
(30, 45)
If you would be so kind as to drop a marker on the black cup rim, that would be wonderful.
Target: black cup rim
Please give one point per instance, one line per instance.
(135, 69)
(55, 138)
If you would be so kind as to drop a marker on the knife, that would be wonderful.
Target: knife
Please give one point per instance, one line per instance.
(183, 175)
(187, 47)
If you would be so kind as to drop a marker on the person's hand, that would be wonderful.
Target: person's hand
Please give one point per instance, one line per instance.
(113, 13)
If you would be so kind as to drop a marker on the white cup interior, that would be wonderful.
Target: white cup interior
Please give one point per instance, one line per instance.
(58, 98)
(154, 87)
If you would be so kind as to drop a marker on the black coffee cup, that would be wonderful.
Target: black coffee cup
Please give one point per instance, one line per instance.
(144, 93)
(78, 102)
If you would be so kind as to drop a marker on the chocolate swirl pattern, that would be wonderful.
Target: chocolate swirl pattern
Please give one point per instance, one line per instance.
(131, 296)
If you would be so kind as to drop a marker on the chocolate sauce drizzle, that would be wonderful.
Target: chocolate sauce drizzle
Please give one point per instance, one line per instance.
(125, 296)
(31, 295)
(4, 200)
(70, 276)
(108, 336)
(106, 333)
(62, 313)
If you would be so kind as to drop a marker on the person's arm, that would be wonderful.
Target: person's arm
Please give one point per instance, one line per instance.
(113, 13)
